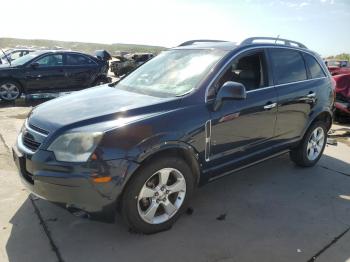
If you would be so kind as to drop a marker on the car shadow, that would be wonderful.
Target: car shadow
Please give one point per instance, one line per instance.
(266, 212)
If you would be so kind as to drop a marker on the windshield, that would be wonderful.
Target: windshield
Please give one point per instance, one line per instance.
(171, 73)
(24, 59)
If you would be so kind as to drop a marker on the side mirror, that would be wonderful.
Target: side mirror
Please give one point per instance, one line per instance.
(230, 91)
(34, 65)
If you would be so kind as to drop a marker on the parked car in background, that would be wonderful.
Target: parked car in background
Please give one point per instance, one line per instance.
(127, 63)
(190, 115)
(338, 67)
(342, 104)
(51, 71)
(12, 54)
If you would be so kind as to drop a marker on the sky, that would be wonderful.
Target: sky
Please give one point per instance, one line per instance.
(322, 25)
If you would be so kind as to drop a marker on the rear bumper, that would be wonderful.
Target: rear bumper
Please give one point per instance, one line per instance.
(71, 184)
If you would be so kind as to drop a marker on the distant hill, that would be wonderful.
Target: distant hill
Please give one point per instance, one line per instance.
(78, 46)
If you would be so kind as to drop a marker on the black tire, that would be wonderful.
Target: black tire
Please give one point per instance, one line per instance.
(299, 155)
(130, 202)
(10, 83)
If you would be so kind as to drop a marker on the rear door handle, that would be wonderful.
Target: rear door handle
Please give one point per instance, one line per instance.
(270, 106)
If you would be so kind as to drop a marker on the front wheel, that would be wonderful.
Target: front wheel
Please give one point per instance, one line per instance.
(311, 147)
(157, 195)
(10, 90)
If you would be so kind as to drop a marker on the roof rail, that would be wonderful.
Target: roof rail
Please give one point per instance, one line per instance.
(251, 40)
(191, 42)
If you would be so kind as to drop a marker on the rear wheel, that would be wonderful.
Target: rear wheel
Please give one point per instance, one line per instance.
(311, 147)
(10, 90)
(157, 195)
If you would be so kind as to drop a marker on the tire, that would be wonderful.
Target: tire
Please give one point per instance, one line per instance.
(311, 148)
(138, 201)
(10, 90)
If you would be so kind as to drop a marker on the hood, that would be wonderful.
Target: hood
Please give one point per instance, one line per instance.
(91, 106)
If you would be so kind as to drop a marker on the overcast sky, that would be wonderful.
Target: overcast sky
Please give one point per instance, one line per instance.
(322, 25)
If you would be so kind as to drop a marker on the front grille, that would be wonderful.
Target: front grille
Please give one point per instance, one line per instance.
(38, 129)
(30, 143)
(33, 136)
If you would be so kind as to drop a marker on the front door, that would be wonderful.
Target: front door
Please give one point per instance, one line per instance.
(48, 74)
(241, 128)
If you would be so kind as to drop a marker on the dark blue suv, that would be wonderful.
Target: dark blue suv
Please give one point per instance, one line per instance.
(191, 115)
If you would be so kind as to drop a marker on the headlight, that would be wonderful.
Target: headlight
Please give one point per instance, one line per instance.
(75, 147)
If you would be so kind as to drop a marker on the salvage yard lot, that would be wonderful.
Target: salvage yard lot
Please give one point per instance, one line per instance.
(273, 211)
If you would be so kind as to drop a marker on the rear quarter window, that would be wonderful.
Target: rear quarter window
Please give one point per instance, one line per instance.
(75, 59)
(288, 66)
(314, 67)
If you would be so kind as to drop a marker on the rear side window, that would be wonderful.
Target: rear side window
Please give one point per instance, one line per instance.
(288, 66)
(314, 67)
(74, 59)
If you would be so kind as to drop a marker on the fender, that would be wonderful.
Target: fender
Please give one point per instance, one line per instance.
(314, 116)
(158, 149)
(190, 152)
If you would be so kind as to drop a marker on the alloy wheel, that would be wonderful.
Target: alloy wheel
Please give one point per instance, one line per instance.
(9, 91)
(161, 196)
(315, 143)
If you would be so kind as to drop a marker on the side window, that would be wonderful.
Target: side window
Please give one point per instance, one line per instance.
(15, 55)
(314, 67)
(74, 59)
(248, 70)
(288, 66)
(50, 60)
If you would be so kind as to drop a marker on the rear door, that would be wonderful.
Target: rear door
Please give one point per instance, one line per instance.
(48, 75)
(81, 71)
(297, 91)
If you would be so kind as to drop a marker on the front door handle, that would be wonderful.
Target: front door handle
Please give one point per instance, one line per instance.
(270, 106)
(311, 95)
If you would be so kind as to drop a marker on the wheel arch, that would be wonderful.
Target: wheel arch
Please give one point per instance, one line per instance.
(325, 115)
(179, 149)
(14, 80)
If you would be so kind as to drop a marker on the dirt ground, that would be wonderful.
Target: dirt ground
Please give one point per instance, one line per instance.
(273, 211)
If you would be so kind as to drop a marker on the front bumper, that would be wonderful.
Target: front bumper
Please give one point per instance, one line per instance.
(71, 184)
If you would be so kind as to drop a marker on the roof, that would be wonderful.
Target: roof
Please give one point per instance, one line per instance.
(224, 45)
(252, 41)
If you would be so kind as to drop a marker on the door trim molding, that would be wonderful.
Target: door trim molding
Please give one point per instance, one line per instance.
(207, 140)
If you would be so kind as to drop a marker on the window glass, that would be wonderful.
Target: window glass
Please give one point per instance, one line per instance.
(50, 60)
(15, 55)
(288, 66)
(172, 73)
(314, 67)
(74, 59)
(248, 70)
